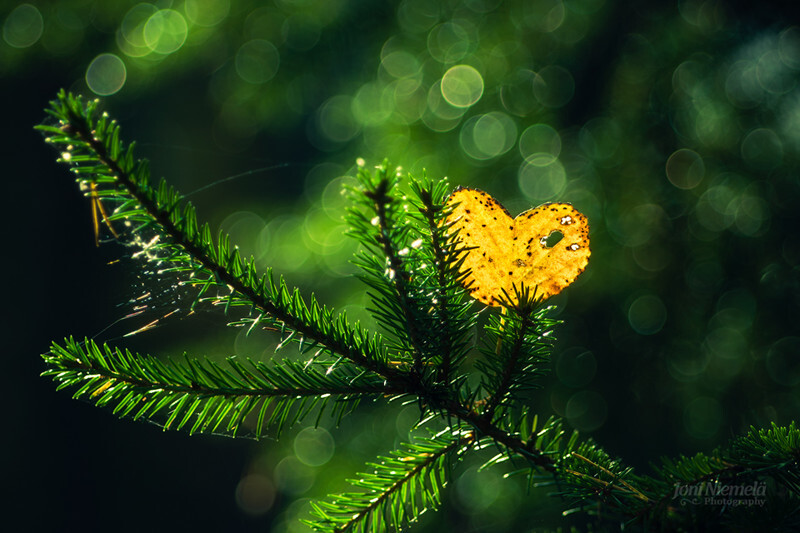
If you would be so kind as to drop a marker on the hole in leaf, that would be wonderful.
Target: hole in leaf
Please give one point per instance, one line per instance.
(552, 239)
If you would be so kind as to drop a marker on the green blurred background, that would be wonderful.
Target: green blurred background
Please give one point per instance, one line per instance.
(674, 126)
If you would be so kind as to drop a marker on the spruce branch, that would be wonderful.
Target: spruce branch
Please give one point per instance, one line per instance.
(181, 245)
(772, 452)
(383, 227)
(522, 340)
(398, 490)
(591, 478)
(207, 396)
(412, 263)
(450, 308)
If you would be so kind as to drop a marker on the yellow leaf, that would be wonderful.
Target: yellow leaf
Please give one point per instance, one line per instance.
(521, 251)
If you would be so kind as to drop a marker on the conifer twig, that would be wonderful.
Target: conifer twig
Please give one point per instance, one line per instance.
(398, 274)
(419, 300)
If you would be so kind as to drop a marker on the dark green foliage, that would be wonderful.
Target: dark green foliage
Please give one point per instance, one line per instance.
(411, 264)
(516, 350)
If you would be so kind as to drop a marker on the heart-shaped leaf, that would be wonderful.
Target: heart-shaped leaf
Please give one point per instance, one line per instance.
(523, 251)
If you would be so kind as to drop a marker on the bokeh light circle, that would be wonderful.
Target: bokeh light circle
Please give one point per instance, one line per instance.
(314, 446)
(716, 208)
(540, 140)
(783, 361)
(762, 148)
(576, 367)
(409, 100)
(600, 139)
(244, 229)
(462, 86)
(516, 94)
(323, 231)
(476, 491)
(286, 246)
(335, 119)
(439, 115)
(257, 61)
(640, 225)
(400, 64)
(449, 42)
(741, 85)
(487, 136)
(441, 107)
(23, 26)
(686, 363)
(255, 494)
(130, 35)
(542, 178)
(106, 74)
(553, 86)
(293, 477)
(417, 15)
(773, 75)
(647, 314)
(685, 169)
(301, 31)
(586, 411)
(206, 13)
(544, 15)
(372, 105)
(165, 31)
(726, 342)
(789, 47)
(752, 213)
